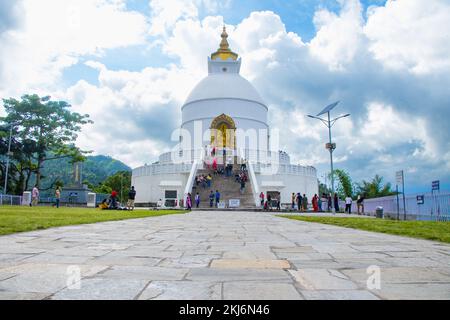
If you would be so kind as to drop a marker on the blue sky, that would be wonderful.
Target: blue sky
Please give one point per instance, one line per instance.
(133, 62)
(297, 16)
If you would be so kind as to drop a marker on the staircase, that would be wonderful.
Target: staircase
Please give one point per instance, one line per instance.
(228, 188)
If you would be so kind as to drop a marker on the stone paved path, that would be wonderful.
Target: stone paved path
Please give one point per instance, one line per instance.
(219, 255)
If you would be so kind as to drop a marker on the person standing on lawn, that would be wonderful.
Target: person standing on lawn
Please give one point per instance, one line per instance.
(305, 202)
(113, 200)
(131, 198)
(348, 204)
(299, 201)
(315, 203)
(34, 196)
(293, 200)
(360, 204)
(57, 197)
(336, 202)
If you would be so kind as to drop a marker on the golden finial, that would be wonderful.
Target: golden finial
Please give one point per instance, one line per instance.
(224, 52)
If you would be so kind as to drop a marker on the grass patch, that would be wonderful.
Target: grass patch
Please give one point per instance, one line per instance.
(438, 231)
(23, 218)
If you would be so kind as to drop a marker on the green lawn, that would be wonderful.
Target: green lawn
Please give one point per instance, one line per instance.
(439, 231)
(20, 219)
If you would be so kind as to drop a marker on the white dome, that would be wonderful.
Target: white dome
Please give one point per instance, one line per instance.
(224, 86)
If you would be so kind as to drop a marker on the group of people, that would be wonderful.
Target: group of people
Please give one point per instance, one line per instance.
(242, 179)
(112, 202)
(203, 180)
(35, 197)
(268, 202)
(107, 204)
(359, 204)
(302, 201)
(214, 199)
(333, 202)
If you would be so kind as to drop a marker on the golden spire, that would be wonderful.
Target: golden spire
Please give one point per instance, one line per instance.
(224, 51)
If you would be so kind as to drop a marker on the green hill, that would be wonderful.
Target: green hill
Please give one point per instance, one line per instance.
(95, 170)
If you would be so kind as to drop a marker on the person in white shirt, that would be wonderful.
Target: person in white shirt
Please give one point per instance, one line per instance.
(34, 197)
(348, 204)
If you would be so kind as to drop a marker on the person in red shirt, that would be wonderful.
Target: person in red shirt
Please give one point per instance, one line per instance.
(113, 202)
(315, 203)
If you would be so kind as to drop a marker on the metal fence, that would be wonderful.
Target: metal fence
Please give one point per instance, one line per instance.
(7, 200)
(435, 207)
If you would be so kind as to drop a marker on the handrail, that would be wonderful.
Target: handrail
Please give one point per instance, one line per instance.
(190, 182)
(255, 186)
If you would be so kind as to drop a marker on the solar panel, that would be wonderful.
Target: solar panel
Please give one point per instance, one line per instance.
(329, 108)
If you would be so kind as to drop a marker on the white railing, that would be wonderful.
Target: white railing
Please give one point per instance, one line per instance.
(191, 180)
(290, 169)
(260, 160)
(155, 169)
(255, 185)
(198, 164)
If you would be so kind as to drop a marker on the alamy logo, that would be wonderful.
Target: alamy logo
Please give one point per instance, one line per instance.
(73, 278)
(374, 280)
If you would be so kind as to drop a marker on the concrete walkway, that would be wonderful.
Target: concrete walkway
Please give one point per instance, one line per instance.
(219, 255)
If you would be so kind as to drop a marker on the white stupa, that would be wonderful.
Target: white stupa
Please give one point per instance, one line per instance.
(223, 112)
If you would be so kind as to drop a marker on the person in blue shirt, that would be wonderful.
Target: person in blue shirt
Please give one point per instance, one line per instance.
(217, 197)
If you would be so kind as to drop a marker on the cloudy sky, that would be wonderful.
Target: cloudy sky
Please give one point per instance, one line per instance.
(130, 64)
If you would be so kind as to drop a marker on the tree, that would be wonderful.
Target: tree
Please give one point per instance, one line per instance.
(48, 127)
(120, 182)
(375, 188)
(323, 189)
(344, 188)
(21, 164)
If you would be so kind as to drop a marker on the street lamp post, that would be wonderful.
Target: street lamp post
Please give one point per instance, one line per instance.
(8, 155)
(330, 145)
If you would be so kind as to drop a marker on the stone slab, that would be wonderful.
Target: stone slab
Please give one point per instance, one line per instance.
(146, 273)
(250, 264)
(223, 275)
(251, 290)
(338, 295)
(322, 279)
(103, 289)
(182, 290)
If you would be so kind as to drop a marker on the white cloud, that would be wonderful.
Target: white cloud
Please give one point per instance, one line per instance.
(385, 128)
(411, 34)
(166, 13)
(54, 34)
(134, 113)
(339, 36)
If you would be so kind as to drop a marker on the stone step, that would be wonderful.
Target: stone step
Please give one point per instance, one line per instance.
(228, 187)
